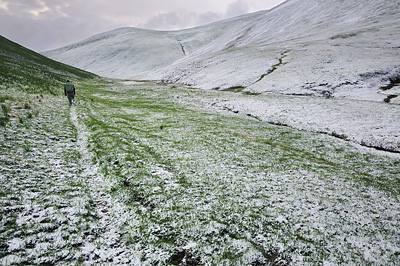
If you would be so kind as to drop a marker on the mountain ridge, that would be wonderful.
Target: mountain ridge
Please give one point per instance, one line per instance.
(322, 49)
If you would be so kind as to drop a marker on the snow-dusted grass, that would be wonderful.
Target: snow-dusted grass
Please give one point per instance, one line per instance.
(368, 123)
(50, 214)
(206, 187)
(146, 174)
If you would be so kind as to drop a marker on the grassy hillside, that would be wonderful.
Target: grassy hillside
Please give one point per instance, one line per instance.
(25, 69)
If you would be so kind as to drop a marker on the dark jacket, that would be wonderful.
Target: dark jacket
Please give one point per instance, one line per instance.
(69, 88)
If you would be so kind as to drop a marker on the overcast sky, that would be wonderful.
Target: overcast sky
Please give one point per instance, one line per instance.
(43, 25)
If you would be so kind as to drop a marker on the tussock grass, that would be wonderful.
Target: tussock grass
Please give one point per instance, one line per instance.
(216, 188)
(30, 72)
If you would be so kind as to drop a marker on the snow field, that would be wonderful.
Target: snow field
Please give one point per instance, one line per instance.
(212, 187)
(367, 123)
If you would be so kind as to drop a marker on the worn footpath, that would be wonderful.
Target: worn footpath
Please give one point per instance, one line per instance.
(51, 210)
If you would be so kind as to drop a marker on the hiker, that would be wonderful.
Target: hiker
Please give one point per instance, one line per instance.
(69, 90)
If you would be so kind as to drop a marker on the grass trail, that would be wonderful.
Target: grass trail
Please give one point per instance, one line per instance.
(51, 209)
(213, 188)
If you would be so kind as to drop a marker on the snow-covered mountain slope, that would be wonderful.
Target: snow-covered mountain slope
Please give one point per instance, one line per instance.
(310, 47)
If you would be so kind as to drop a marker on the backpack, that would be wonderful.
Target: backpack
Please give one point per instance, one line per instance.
(69, 87)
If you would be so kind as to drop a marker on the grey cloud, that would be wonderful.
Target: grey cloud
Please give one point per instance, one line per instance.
(33, 9)
(208, 17)
(19, 8)
(168, 21)
(42, 35)
(181, 19)
(61, 24)
(237, 8)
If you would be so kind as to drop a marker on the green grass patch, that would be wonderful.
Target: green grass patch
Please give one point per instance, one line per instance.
(25, 70)
(227, 180)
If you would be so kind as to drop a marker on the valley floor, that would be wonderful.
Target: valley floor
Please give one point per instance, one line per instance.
(148, 174)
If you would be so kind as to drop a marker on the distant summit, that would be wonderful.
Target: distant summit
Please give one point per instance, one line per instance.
(307, 47)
